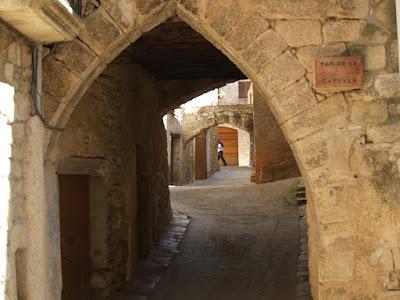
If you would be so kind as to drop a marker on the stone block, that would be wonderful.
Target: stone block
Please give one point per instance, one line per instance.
(313, 150)
(146, 6)
(300, 33)
(100, 31)
(349, 9)
(394, 55)
(337, 266)
(342, 31)
(264, 49)
(23, 106)
(385, 11)
(373, 34)
(122, 11)
(14, 54)
(57, 79)
(255, 25)
(293, 100)
(384, 134)
(332, 110)
(337, 235)
(190, 5)
(222, 18)
(6, 38)
(307, 55)
(300, 9)
(374, 57)
(9, 72)
(282, 72)
(368, 112)
(75, 55)
(388, 85)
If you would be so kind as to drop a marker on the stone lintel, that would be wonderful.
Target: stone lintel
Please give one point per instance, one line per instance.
(42, 21)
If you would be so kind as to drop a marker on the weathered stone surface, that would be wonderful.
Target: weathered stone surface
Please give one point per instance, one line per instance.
(100, 31)
(369, 112)
(342, 31)
(337, 266)
(385, 11)
(14, 54)
(299, 33)
(190, 5)
(374, 57)
(394, 56)
(313, 150)
(327, 200)
(383, 134)
(349, 9)
(57, 79)
(5, 39)
(9, 73)
(372, 34)
(388, 85)
(264, 49)
(222, 18)
(330, 111)
(75, 55)
(146, 6)
(293, 100)
(122, 12)
(281, 72)
(239, 39)
(307, 55)
(301, 9)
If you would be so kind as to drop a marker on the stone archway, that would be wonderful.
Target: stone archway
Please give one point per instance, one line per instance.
(239, 116)
(342, 144)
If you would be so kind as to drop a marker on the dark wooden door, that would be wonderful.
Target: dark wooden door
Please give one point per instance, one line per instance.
(229, 138)
(200, 157)
(74, 227)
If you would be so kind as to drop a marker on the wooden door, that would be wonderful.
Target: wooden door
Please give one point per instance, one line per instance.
(229, 137)
(200, 157)
(74, 228)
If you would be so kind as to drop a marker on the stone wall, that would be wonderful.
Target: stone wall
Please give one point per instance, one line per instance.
(273, 158)
(107, 126)
(229, 95)
(346, 142)
(174, 148)
(18, 186)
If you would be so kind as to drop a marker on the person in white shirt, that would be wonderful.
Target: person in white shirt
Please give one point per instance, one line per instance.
(220, 150)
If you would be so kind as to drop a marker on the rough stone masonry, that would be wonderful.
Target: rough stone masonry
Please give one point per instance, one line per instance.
(345, 142)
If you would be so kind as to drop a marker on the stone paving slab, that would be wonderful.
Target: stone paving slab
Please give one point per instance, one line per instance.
(303, 285)
(153, 267)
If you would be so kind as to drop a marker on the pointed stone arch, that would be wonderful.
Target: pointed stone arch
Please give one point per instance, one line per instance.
(351, 195)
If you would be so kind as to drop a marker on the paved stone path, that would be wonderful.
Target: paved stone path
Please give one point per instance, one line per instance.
(242, 242)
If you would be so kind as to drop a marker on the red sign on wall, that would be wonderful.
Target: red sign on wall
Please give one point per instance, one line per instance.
(339, 73)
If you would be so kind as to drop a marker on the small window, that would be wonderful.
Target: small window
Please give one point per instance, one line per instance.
(244, 88)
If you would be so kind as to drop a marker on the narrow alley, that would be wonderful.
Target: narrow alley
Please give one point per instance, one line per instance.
(241, 243)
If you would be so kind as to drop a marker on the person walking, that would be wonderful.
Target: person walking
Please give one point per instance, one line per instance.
(220, 150)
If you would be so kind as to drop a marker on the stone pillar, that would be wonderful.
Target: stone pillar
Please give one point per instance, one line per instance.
(38, 284)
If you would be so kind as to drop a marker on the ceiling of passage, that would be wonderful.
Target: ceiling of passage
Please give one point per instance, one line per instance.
(174, 51)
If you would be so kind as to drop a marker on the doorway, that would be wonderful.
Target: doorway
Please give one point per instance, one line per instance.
(74, 229)
(200, 157)
(229, 138)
